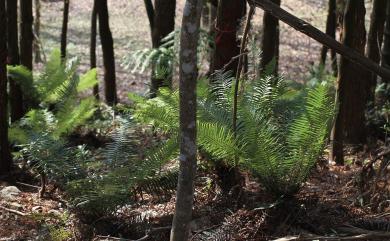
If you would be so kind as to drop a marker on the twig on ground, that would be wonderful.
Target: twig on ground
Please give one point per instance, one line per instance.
(146, 237)
(13, 211)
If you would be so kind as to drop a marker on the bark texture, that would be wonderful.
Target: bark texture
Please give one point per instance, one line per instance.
(386, 44)
(270, 41)
(188, 149)
(5, 155)
(163, 24)
(64, 31)
(374, 41)
(351, 90)
(26, 34)
(227, 46)
(16, 96)
(108, 52)
(37, 31)
(331, 25)
(92, 50)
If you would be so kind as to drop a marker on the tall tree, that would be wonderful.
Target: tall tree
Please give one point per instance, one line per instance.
(5, 154)
(331, 25)
(270, 41)
(351, 87)
(386, 43)
(163, 24)
(188, 149)
(64, 31)
(26, 34)
(92, 50)
(16, 96)
(227, 46)
(374, 41)
(108, 52)
(37, 31)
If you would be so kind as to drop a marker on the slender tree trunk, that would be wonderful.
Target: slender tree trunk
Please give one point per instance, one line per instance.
(331, 23)
(16, 96)
(64, 31)
(150, 12)
(206, 15)
(108, 52)
(374, 42)
(164, 24)
(92, 49)
(350, 121)
(5, 154)
(37, 31)
(212, 18)
(26, 34)
(188, 149)
(227, 46)
(386, 43)
(270, 41)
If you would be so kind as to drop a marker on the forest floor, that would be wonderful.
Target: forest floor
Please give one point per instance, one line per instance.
(330, 202)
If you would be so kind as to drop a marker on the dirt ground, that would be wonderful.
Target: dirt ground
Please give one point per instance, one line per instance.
(130, 29)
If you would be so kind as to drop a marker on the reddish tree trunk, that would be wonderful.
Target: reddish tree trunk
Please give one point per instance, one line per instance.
(108, 53)
(5, 155)
(350, 122)
(16, 96)
(227, 46)
(374, 42)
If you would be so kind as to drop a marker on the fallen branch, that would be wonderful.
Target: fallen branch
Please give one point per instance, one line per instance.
(354, 232)
(318, 35)
(13, 211)
(147, 236)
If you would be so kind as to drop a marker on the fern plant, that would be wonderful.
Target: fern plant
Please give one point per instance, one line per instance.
(165, 57)
(278, 138)
(54, 112)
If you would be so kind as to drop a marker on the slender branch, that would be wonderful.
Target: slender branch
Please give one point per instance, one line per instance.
(13, 211)
(240, 65)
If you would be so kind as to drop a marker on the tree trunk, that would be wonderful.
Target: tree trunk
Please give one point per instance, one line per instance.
(164, 24)
(374, 42)
(108, 52)
(150, 12)
(270, 41)
(16, 96)
(331, 23)
(188, 149)
(212, 18)
(92, 50)
(350, 121)
(64, 31)
(37, 31)
(227, 46)
(5, 154)
(386, 44)
(26, 34)
(206, 15)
